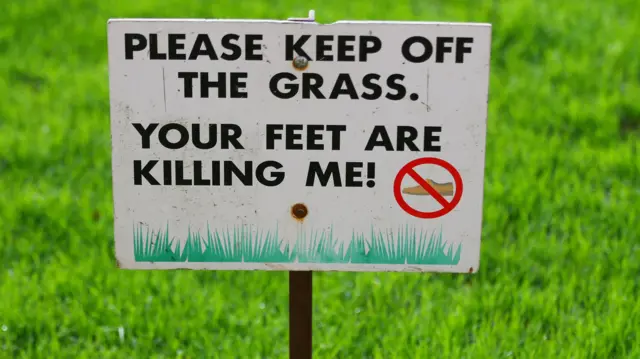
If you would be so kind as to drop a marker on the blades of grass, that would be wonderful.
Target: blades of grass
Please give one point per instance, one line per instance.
(188, 250)
(456, 257)
(264, 246)
(422, 247)
(439, 243)
(223, 236)
(330, 252)
(402, 249)
(373, 247)
(286, 249)
(152, 239)
(279, 254)
(137, 244)
(315, 246)
(412, 247)
(255, 247)
(306, 244)
(195, 252)
(428, 245)
(209, 246)
(400, 255)
(275, 251)
(325, 253)
(167, 243)
(218, 255)
(172, 255)
(144, 243)
(431, 246)
(405, 244)
(250, 248)
(195, 248)
(397, 250)
(388, 240)
(384, 244)
(247, 234)
(336, 250)
(355, 254)
(161, 245)
(384, 253)
(149, 239)
(362, 247)
(310, 246)
(397, 245)
(341, 254)
(322, 248)
(350, 255)
(373, 250)
(288, 257)
(409, 235)
(227, 244)
(295, 249)
(266, 249)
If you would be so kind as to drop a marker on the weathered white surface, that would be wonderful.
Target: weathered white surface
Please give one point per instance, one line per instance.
(451, 95)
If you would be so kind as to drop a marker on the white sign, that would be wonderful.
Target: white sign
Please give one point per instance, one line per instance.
(280, 145)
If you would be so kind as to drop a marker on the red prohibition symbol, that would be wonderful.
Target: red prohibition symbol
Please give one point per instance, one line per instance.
(409, 170)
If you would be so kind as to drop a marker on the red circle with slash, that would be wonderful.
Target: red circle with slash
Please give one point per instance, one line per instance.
(409, 170)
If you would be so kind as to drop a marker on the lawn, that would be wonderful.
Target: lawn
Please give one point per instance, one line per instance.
(560, 265)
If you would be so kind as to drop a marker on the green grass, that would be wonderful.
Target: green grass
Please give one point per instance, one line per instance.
(560, 253)
(244, 244)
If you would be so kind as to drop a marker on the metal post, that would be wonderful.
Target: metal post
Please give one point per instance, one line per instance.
(300, 315)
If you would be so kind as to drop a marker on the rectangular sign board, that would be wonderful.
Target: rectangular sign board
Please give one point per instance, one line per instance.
(281, 145)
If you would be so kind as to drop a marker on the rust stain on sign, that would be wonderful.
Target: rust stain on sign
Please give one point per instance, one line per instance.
(299, 211)
(300, 63)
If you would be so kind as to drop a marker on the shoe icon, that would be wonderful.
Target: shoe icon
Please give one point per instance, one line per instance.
(444, 189)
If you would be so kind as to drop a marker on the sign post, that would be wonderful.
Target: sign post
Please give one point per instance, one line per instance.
(290, 146)
(300, 314)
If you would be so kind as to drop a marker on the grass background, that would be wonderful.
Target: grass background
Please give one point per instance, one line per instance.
(560, 267)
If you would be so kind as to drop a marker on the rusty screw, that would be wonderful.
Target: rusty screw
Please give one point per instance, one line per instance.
(300, 62)
(299, 211)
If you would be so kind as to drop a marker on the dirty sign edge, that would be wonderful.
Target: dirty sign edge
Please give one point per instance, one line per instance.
(275, 21)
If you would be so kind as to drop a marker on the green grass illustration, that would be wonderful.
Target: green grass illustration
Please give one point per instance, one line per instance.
(245, 244)
(152, 246)
(239, 244)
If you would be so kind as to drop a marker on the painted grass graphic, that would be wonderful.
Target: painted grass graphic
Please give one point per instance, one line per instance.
(244, 244)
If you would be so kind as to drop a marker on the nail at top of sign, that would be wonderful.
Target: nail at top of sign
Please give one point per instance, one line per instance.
(310, 18)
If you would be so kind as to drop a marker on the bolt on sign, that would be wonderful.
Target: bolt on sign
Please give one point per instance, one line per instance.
(281, 145)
